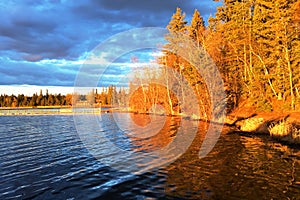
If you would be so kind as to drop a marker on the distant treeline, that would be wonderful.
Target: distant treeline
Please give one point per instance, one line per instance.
(107, 96)
(47, 99)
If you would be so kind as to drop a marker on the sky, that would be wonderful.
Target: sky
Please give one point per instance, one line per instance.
(45, 42)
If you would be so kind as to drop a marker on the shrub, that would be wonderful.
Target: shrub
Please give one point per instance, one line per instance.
(282, 128)
(285, 131)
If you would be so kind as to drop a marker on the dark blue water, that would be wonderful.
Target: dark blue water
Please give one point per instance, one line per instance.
(42, 157)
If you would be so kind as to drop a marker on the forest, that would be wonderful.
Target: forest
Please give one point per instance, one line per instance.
(94, 98)
(35, 100)
(255, 45)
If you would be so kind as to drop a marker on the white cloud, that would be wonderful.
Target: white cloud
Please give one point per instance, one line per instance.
(29, 90)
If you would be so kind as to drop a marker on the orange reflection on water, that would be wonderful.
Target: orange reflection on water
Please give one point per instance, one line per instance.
(159, 140)
(140, 120)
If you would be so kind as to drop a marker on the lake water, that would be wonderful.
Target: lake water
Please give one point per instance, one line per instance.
(43, 157)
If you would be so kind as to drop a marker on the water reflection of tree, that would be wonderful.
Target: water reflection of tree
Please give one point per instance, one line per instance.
(238, 167)
(254, 172)
(187, 177)
(161, 139)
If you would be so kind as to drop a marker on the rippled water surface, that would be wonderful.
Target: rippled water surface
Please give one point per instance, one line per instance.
(42, 157)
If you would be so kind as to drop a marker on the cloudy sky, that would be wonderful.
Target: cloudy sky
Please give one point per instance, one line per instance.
(45, 42)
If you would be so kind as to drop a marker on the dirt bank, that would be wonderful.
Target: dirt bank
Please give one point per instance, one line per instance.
(284, 126)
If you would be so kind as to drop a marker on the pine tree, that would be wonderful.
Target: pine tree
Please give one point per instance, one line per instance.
(230, 44)
(178, 22)
(39, 98)
(276, 41)
(33, 100)
(197, 28)
(176, 27)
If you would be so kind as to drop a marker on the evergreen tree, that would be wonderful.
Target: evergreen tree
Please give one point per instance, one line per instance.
(39, 98)
(33, 100)
(257, 50)
(178, 22)
(197, 28)
(276, 40)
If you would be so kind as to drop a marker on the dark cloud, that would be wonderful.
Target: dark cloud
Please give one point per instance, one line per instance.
(32, 31)
(22, 72)
(152, 8)
(141, 13)
(55, 30)
(32, 58)
(58, 73)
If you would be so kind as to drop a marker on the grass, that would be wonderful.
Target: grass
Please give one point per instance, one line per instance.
(286, 131)
(252, 124)
(296, 134)
(282, 128)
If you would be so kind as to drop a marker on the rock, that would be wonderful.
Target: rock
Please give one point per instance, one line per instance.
(252, 125)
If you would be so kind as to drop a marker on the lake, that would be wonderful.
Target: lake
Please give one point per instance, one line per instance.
(43, 157)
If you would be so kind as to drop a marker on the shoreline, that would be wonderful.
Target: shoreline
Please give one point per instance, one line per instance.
(35, 111)
(49, 107)
(282, 126)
